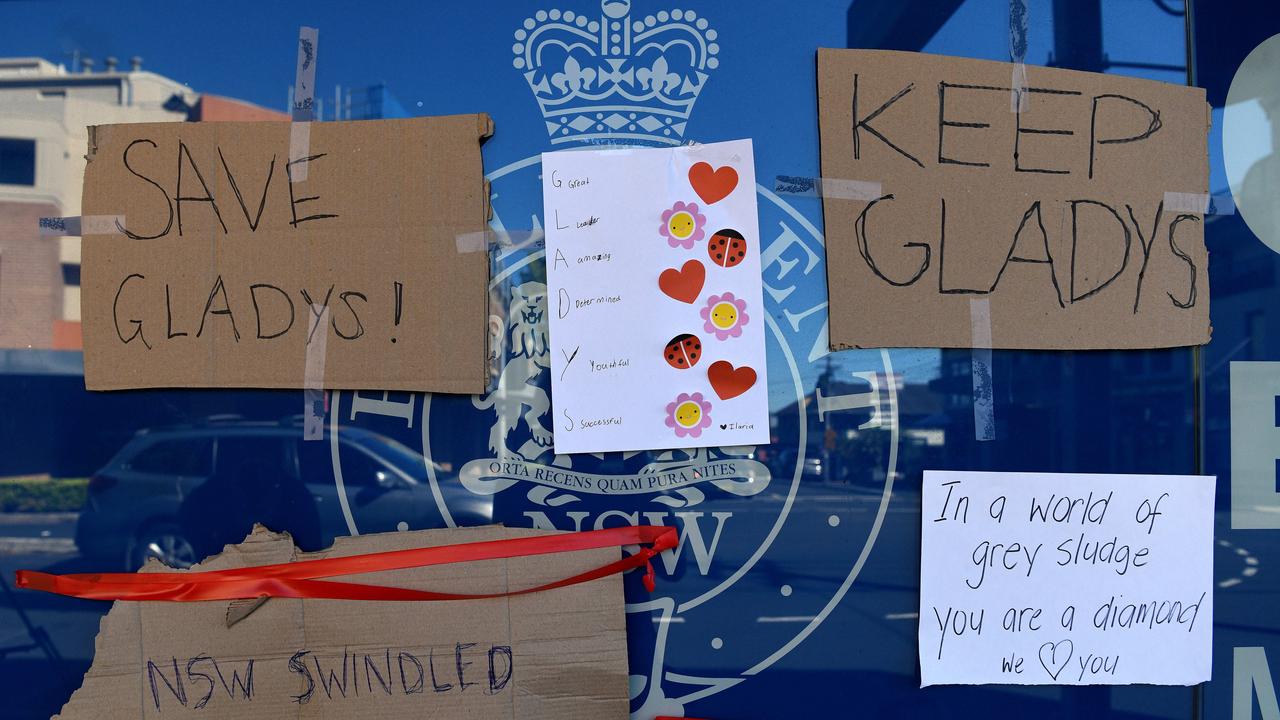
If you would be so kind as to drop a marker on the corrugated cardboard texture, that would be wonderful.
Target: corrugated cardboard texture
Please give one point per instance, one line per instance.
(568, 646)
(1057, 214)
(216, 286)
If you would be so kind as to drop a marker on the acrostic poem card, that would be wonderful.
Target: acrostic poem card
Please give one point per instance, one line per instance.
(657, 322)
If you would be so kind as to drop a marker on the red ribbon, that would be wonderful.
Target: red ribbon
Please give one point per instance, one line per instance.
(300, 579)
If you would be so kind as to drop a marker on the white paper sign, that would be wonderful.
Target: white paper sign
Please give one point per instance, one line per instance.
(657, 317)
(1066, 579)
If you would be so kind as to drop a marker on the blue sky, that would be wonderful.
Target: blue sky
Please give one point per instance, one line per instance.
(246, 49)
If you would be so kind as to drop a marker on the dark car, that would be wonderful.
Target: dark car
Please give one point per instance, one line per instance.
(182, 493)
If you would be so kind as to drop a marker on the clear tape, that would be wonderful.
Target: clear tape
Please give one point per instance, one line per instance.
(303, 111)
(837, 188)
(299, 147)
(1202, 203)
(499, 241)
(313, 410)
(1018, 97)
(984, 416)
(79, 226)
(1017, 55)
(304, 79)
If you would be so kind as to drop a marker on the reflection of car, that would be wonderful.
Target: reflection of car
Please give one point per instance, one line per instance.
(181, 493)
(813, 466)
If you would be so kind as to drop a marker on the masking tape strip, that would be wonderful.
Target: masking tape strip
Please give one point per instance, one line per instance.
(313, 409)
(304, 91)
(79, 226)
(826, 187)
(1202, 203)
(984, 416)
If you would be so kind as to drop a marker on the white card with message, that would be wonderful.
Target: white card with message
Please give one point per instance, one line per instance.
(1066, 579)
(654, 291)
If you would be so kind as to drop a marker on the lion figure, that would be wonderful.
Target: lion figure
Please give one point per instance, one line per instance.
(524, 345)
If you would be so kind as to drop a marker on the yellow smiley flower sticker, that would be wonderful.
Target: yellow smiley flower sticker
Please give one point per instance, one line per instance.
(689, 415)
(724, 315)
(682, 225)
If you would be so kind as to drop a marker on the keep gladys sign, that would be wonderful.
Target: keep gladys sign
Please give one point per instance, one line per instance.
(1067, 579)
(1074, 203)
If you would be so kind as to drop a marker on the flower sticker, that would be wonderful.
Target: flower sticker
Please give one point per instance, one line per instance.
(689, 414)
(682, 225)
(724, 315)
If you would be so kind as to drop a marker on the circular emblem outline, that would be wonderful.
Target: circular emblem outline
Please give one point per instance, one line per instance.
(664, 605)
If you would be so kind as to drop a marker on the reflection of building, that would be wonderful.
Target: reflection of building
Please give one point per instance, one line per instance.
(371, 102)
(1243, 276)
(374, 102)
(212, 108)
(43, 114)
(846, 451)
(1244, 259)
(44, 110)
(1125, 411)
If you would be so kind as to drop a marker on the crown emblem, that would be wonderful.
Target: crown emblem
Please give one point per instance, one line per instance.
(614, 77)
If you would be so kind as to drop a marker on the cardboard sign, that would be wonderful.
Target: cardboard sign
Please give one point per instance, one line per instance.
(658, 324)
(1066, 579)
(1074, 203)
(252, 254)
(524, 656)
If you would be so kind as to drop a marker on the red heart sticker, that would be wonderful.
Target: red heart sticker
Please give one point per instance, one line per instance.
(684, 284)
(728, 381)
(712, 185)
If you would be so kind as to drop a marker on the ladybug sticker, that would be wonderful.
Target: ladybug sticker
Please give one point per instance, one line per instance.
(727, 248)
(684, 351)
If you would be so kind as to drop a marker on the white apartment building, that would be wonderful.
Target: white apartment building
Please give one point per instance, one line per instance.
(44, 112)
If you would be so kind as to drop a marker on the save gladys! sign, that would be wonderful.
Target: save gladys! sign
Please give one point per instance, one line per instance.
(236, 255)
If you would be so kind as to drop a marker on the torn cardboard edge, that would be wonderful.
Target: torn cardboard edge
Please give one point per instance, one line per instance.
(523, 656)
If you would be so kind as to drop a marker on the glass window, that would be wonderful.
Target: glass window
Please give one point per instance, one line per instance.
(314, 463)
(190, 457)
(17, 161)
(804, 594)
(251, 456)
(361, 470)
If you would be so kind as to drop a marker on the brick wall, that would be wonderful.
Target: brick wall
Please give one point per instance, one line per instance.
(30, 276)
